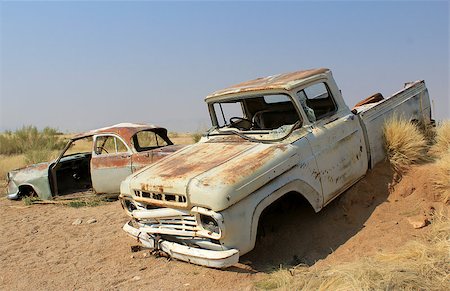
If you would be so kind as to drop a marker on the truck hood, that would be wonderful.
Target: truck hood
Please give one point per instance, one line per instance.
(215, 175)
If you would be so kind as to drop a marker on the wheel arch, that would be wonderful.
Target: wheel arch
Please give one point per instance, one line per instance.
(25, 190)
(298, 187)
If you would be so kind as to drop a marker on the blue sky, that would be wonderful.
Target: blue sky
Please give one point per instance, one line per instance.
(82, 65)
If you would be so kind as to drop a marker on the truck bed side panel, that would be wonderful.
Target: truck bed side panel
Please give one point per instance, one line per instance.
(412, 103)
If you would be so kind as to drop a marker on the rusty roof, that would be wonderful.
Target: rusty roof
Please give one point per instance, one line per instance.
(124, 130)
(284, 81)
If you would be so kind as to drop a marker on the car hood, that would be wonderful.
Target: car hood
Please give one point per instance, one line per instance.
(215, 174)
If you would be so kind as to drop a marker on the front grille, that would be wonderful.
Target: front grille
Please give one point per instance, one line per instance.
(182, 223)
(161, 196)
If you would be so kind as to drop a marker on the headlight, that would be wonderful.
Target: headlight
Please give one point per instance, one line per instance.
(9, 176)
(209, 223)
(128, 205)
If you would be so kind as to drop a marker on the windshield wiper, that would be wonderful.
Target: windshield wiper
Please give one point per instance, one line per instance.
(241, 135)
(208, 132)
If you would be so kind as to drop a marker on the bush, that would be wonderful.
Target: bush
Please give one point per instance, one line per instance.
(196, 136)
(36, 145)
(405, 144)
(441, 179)
(442, 145)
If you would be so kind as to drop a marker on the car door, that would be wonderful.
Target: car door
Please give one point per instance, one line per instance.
(336, 138)
(110, 163)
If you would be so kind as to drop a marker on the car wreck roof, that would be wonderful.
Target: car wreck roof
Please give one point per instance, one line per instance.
(284, 81)
(125, 130)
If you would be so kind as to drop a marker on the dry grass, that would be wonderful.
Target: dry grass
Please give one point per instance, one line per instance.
(442, 145)
(80, 146)
(405, 144)
(181, 138)
(441, 179)
(8, 163)
(37, 146)
(423, 265)
(196, 136)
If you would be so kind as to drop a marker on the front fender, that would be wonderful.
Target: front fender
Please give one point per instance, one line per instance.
(242, 218)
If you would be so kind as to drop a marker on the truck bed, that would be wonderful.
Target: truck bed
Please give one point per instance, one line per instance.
(412, 103)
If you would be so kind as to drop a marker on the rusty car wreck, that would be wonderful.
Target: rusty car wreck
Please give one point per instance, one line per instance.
(288, 133)
(115, 152)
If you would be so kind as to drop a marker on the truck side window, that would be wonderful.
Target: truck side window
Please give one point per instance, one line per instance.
(316, 101)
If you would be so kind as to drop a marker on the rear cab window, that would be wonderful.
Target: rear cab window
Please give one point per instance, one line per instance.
(317, 101)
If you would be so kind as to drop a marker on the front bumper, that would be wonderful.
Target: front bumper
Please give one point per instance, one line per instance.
(203, 257)
(14, 196)
(12, 189)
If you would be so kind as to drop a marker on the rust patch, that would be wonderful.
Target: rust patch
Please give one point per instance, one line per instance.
(250, 163)
(162, 203)
(124, 130)
(372, 99)
(272, 82)
(110, 162)
(39, 167)
(198, 159)
(34, 167)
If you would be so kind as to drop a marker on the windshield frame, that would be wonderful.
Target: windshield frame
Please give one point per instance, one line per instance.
(248, 95)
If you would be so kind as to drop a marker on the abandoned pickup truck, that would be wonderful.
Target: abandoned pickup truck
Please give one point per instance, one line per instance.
(288, 133)
(112, 153)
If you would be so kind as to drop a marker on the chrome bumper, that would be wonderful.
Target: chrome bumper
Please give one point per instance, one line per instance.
(14, 196)
(198, 256)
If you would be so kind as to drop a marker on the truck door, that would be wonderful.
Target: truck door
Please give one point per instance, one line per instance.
(110, 163)
(336, 138)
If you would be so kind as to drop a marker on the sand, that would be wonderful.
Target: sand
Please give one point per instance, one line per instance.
(41, 248)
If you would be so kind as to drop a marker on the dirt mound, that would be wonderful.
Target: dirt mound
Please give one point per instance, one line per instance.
(41, 248)
(375, 215)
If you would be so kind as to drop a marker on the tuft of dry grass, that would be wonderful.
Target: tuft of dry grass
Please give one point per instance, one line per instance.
(419, 265)
(8, 163)
(196, 136)
(442, 138)
(441, 179)
(405, 144)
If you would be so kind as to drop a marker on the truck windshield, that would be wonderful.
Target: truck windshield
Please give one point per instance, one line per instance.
(267, 112)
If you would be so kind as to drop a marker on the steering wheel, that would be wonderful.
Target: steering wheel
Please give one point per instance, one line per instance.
(100, 149)
(240, 122)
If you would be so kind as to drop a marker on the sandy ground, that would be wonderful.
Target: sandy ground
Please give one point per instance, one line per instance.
(40, 249)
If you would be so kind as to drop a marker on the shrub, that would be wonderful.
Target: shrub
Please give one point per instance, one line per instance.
(405, 144)
(441, 179)
(172, 134)
(36, 145)
(442, 145)
(196, 136)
